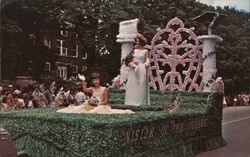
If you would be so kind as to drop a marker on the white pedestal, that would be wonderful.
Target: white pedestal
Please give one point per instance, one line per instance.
(127, 34)
(209, 60)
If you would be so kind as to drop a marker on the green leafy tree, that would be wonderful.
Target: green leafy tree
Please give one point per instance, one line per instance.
(97, 24)
(23, 21)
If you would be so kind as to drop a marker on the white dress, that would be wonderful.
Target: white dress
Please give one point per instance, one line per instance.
(98, 93)
(100, 109)
(136, 84)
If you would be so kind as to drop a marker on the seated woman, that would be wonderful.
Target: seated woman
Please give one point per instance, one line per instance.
(98, 91)
(98, 103)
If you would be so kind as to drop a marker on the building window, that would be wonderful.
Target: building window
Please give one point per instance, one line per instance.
(74, 69)
(84, 68)
(50, 44)
(47, 43)
(62, 71)
(58, 43)
(58, 46)
(47, 66)
(75, 51)
(85, 56)
(64, 33)
(63, 50)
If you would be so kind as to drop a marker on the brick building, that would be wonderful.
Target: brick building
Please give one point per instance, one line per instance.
(70, 56)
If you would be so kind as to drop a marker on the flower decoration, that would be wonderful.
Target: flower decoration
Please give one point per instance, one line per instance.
(91, 103)
(129, 58)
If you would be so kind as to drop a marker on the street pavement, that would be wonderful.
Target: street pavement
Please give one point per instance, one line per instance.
(236, 132)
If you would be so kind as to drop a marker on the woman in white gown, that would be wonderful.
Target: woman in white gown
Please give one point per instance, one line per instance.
(99, 92)
(136, 92)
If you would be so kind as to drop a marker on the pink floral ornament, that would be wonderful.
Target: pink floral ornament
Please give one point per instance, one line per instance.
(176, 58)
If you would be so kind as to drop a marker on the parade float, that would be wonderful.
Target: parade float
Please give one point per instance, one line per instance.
(184, 116)
(151, 131)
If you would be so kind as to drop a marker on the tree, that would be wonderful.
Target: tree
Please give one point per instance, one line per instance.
(23, 21)
(97, 24)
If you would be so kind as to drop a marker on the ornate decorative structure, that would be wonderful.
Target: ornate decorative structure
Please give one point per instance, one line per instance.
(176, 58)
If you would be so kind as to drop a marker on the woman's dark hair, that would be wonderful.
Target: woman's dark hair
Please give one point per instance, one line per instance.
(95, 76)
(142, 42)
(129, 58)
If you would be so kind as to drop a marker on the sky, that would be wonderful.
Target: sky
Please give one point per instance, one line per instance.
(238, 4)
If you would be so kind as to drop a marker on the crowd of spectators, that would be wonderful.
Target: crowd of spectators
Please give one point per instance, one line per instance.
(40, 95)
(241, 99)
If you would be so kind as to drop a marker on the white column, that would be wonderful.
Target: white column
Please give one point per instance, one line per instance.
(209, 60)
(127, 34)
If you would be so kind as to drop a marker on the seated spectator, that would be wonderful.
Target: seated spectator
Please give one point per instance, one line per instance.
(60, 98)
(15, 102)
(53, 101)
(4, 105)
(1, 94)
(30, 102)
(39, 98)
(245, 99)
(116, 82)
(80, 97)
